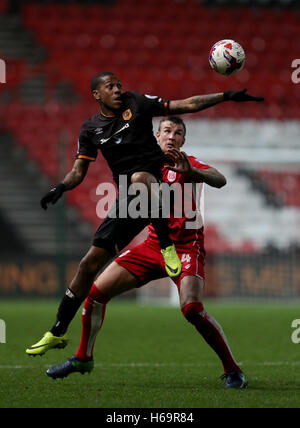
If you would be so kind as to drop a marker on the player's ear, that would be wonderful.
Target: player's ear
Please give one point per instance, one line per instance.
(96, 94)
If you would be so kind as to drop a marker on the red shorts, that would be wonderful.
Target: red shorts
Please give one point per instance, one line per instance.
(146, 262)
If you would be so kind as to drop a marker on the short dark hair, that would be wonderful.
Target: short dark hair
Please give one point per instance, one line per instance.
(96, 79)
(174, 119)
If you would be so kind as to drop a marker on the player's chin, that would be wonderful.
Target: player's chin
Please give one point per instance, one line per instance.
(116, 104)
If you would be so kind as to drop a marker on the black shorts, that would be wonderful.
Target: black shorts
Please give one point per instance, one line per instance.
(116, 233)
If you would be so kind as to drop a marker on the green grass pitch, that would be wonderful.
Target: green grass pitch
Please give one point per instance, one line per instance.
(150, 357)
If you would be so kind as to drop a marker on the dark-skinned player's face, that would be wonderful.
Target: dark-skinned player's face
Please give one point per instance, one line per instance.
(108, 93)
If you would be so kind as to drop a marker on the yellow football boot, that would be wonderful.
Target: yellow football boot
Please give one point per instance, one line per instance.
(172, 261)
(47, 342)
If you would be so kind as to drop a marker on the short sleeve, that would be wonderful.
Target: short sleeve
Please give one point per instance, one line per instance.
(86, 149)
(152, 104)
(198, 163)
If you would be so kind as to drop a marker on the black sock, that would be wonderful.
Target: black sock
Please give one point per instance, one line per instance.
(66, 312)
(161, 228)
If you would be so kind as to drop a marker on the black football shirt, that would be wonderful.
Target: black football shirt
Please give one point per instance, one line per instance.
(125, 140)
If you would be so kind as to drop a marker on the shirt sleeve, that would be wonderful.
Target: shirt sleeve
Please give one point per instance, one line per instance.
(152, 104)
(86, 149)
(198, 163)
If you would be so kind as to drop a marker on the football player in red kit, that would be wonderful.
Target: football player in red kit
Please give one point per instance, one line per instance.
(122, 130)
(136, 267)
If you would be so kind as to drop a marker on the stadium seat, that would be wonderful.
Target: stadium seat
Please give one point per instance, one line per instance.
(155, 30)
(3, 6)
(155, 48)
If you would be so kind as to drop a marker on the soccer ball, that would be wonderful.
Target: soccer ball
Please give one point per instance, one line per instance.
(227, 57)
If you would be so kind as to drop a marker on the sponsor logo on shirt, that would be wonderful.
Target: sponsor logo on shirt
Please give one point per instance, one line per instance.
(104, 140)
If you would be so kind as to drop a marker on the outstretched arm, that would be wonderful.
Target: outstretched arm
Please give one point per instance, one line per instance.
(201, 102)
(196, 103)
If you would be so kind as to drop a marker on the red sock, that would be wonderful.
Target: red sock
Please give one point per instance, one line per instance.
(212, 332)
(92, 319)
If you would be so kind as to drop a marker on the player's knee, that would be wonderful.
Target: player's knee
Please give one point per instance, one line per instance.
(98, 295)
(193, 312)
(138, 177)
(142, 177)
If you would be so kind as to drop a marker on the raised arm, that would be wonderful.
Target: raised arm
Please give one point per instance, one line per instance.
(201, 102)
(210, 176)
(71, 180)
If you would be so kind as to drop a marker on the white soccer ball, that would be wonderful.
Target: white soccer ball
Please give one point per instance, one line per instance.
(227, 57)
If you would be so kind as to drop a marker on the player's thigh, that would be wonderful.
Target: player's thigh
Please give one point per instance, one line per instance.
(191, 290)
(115, 233)
(115, 280)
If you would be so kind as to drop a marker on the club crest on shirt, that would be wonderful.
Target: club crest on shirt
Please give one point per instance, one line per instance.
(127, 115)
(171, 177)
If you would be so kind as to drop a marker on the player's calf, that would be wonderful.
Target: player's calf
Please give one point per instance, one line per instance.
(93, 314)
(212, 333)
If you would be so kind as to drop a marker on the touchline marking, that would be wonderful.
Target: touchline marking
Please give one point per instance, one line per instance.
(134, 365)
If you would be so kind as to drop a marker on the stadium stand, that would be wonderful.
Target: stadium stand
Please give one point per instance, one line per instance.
(283, 185)
(249, 219)
(10, 243)
(179, 53)
(21, 185)
(53, 48)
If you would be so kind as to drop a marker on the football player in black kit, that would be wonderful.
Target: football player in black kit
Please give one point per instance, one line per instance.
(123, 131)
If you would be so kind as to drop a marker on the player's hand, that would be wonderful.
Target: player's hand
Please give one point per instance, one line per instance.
(181, 162)
(171, 156)
(239, 96)
(53, 195)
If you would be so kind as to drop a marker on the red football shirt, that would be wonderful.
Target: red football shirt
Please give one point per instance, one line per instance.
(186, 219)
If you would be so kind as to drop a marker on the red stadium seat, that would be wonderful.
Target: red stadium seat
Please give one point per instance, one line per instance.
(3, 6)
(284, 184)
(157, 47)
(154, 38)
